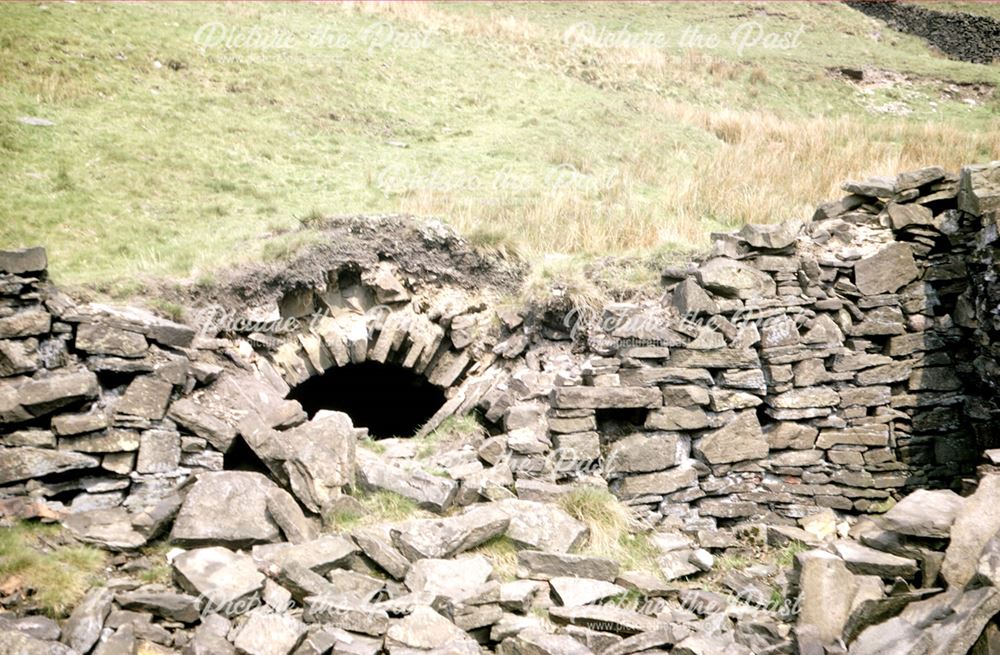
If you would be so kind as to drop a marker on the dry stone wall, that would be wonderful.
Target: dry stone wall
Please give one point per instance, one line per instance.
(832, 362)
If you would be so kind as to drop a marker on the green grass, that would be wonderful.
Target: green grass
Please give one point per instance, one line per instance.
(452, 429)
(55, 576)
(502, 555)
(614, 531)
(169, 158)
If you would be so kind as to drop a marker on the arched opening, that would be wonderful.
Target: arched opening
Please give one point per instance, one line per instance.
(389, 400)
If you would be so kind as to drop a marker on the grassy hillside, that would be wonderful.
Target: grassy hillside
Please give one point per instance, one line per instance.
(187, 137)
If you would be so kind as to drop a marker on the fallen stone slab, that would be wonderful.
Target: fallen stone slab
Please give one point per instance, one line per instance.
(605, 618)
(83, 628)
(457, 579)
(224, 579)
(425, 630)
(976, 521)
(346, 613)
(541, 526)
(535, 641)
(427, 491)
(320, 555)
(228, 508)
(443, 538)
(539, 565)
(13, 641)
(111, 528)
(827, 590)
(571, 591)
(269, 633)
(164, 604)
(868, 561)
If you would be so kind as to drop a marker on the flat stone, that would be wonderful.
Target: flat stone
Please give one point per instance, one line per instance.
(24, 260)
(804, 398)
(426, 630)
(924, 513)
(269, 633)
(320, 555)
(146, 396)
(98, 339)
(887, 271)
(27, 323)
(742, 439)
(734, 279)
(428, 491)
(13, 641)
(605, 397)
(868, 561)
(443, 538)
(164, 604)
(83, 628)
(227, 508)
(571, 591)
(540, 565)
(976, 521)
(542, 526)
(159, 451)
(345, 613)
(642, 452)
(109, 528)
(677, 418)
(660, 482)
(979, 189)
(106, 441)
(606, 618)
(827, 590)
(539, 642)
(460, 579)
(223, 578)
(197, 419)
(29, 463)
(40, 397)
(691, 300)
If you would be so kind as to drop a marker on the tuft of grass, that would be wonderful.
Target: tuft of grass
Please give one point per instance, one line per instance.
(370, 444)
(343, 520)
(386, 506)
(786, 554)
(501, 552)
(731, 563)
(172, 310)
(614, 530)
(57, 576)
(454, 429)
(159, 571)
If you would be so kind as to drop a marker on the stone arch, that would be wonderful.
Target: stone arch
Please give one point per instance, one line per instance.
(364, 319)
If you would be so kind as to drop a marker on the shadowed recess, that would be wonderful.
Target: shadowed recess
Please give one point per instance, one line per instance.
(389, 400)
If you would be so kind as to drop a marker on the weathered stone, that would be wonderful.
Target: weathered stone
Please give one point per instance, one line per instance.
(577, 447)
(17, 357)
(319, 555)
(542, 526)
(605, 618)
(827, 590)
(790, 435)
(30, 463)
(165, 604)
(228, 508)
(110, 528)
(269, 633)
(106, 441)
(691, 300)
(924, 513)
(659, 483)
(443, 538)
(868, 561)
(770, 237)
(190, 415)
(714, 358)
(376, 543)
(428, 491)
(535, 641)
(540, 565)
(100, 339)
(460, 579)
(46, 395)
(24, 260)
(976, 521)
(83, 628)
(223, 578)
(13, 641)
(605, 397)
(425, 630)
(740, 440)
(862, 435)
(643, 452)
(888, 270)
(315, 460)
(677, 418)
(804, 398)
(159, 451)
(210, 637)
(979, 189)
(146, 396)
(909, 214)
(27, 323)
(733, 279)
(71, 424)
(873, 187)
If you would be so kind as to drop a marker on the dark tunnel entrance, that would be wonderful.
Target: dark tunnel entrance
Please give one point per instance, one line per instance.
(389, 400)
